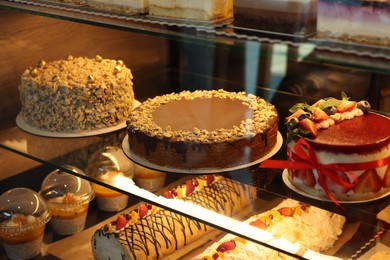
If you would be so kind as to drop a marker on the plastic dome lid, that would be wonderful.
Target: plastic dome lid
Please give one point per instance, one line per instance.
(65, 188)
(110, 159)
(22, 209)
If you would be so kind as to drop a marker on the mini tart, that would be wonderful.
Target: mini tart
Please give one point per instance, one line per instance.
(203, 129)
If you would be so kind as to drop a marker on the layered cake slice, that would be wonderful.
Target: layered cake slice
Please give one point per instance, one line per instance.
(149, 232)
(339, 150)
(360, 21)
(117, 6)
(191, 130)
(128, 6)
(296, 17)
(205, 10)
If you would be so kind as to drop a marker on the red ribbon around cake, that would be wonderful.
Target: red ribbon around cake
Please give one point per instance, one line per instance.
(304, 158)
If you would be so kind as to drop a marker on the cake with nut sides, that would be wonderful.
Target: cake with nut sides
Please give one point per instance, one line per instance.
(76, 94)
(190, 130)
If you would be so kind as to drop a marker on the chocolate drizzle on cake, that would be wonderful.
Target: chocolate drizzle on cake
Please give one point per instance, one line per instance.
(162, 231)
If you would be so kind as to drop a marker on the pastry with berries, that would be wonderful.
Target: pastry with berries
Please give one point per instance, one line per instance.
(295, 227)
(150, 232)
(340, 150)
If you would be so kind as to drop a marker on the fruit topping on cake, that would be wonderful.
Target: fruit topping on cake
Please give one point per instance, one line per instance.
(306, 120)
(338, 149)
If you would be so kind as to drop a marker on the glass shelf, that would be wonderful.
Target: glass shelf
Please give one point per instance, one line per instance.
(230, 45)
(361, 56)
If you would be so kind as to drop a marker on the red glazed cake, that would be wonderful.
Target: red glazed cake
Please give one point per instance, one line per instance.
(339, 150)
(203, 129)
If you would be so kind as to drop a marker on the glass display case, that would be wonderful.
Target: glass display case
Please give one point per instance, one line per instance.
(168, 56)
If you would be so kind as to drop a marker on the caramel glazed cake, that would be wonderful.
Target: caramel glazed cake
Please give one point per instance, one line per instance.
(149, 232)
(76, 94)
(191, 130)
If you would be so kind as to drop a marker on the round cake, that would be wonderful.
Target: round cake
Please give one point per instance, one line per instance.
(76, 94)
(203, 129)
(346, 145)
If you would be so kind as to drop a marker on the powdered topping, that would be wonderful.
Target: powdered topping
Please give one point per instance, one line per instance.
(261, 114)
(306, 119)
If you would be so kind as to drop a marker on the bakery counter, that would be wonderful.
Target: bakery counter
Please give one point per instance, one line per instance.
(360, 237)
(283, 74)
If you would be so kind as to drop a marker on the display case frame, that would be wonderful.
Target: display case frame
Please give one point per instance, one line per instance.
(370, 66)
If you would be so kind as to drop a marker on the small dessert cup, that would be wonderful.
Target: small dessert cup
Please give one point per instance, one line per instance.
(67, 197)
(148, 179)
(24, 215)
(109, 166)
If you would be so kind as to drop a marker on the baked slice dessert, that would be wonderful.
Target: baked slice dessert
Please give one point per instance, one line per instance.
(192, 10)
(76, 94)
(150, 232)
(297, 17)
(359, 21)
(191, 130)
(303, 228)
(120, 6)
(116, 6)
(339, 150)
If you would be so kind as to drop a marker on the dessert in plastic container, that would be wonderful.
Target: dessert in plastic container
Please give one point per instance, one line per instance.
(67, 197)
(109, 165)
(149, 179)
(24, 215)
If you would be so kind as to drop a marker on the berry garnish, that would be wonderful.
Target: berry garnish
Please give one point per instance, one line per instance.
(142, 210)
(346, 106)
(226, 246)
(304, 116)
(386, 178)
(364, 106)
(309, 126)
(121, 222)
(331, 110)
(168, 194)
(190, 187)
(369, 181)
(209, 179)
(292, 123)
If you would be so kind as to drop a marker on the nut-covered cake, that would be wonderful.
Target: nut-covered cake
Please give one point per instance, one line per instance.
(340, 150)
(76, 94)
(203, 129)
